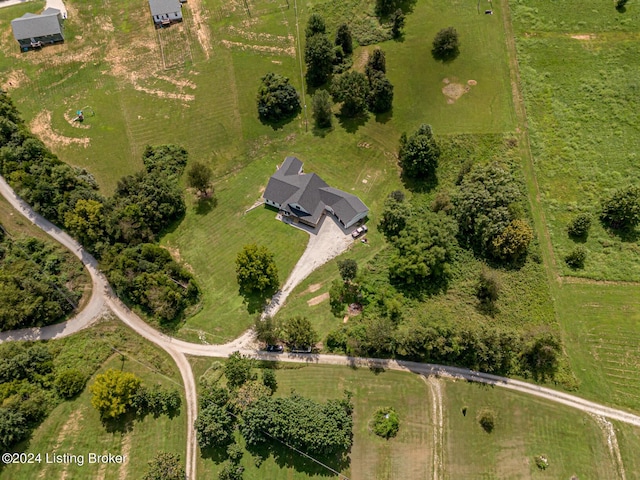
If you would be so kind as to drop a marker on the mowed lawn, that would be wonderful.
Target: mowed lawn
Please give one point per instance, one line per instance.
(601, 326)
(75, 428)
(583, 122)
(572, 441)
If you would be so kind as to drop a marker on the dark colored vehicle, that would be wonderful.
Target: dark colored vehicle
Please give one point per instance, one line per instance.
(275, 348)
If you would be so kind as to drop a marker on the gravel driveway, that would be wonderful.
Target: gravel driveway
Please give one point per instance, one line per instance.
(325, 243)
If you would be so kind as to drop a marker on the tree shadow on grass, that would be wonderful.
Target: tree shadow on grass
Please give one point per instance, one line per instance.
(321, 132)
(122, 424)
(629, 235)
(384, 117)
(217, 454)
(289, 458)
(280, 124)
(423, 290)
(255, 301)
(445, 57)
(205, 205)
(419, 185)
(352, 124)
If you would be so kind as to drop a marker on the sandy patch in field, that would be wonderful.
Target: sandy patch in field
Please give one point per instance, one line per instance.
(15, 78)
(105, 23)
(263, 37)
(41, 127)
(313, 288)
(454, 90)
(290, 51)
(201, 27)
(70, 427)
(184, 83)
(319, 299)
(175, 254)
(588, 36)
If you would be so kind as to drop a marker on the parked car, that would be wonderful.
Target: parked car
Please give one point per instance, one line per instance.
(302, 349)
(359, 231)
(275, 348)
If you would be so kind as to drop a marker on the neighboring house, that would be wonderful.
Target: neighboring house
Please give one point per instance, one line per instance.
(32, 31)
(165, 11)
(306, 197)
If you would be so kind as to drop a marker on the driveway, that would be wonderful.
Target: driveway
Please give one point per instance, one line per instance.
(325, 243)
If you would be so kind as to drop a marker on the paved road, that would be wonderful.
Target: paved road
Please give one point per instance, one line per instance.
(178, 349)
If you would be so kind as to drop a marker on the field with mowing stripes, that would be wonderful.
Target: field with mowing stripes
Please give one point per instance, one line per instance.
(575, 443)
(602, 337)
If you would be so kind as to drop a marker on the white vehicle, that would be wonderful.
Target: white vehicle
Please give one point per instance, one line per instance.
(359, 231)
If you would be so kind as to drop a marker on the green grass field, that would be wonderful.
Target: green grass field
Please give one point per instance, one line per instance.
(74, 427)
(603, 339)
(525, 427)
(583, 121)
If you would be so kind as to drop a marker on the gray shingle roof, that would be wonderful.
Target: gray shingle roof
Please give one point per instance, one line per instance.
(32, 26)
(287, 187)
(162, 7)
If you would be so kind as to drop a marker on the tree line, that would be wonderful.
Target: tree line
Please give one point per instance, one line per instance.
(115, 229)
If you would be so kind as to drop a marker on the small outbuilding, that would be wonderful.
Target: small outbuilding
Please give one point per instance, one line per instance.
(164, 12)
(34, 31)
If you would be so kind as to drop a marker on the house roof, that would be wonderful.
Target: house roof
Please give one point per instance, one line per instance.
(162, 7)
(289, 187)
(32, 26)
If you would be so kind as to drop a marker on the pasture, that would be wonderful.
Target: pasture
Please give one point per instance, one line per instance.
(434, 434)
(74, 427)
(583, 122)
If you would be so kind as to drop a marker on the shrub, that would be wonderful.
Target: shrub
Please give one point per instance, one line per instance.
(542, 462)
(622, 209)
(386, 422)
(321, 105)
(446, 45)
(487, 419)
(514, 240)
(69, 383)
(579, 226)
(575, 259)
(419, 153)
(488, 289)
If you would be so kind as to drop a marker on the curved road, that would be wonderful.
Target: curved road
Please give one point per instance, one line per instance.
(102, 299)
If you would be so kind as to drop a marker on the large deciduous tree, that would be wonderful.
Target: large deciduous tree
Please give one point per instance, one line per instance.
(419, 153)
(298, 332)
(446, 45)
(315, 25)
(214, 427)
(318, 56)
(344, 39)
(165, 466)
(277, 98)
(622, 209)
(380, 93)
(352, 89)
(395, 215)
(424, 250)
(113, 392)
(483, 205)
(348, 269)
(377, 62)
(199, 177)
(256, 270)
(321, 105)
(237, 369)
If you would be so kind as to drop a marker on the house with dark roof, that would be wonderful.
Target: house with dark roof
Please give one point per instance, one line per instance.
(165, 12)
(33, 31)
(306, 197)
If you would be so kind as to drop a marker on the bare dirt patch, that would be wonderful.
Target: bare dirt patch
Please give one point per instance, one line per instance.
(354, 309)
(319, 299)
(183, 83)
(41, 127)
(589, 36)
(125, 451)
(15, 78)
(105, 23)
(175, 254)
(69, 117)
(454, 90)
(313, 288)
(201, 27)
(360, 62)
(289, 51)
(435, 392)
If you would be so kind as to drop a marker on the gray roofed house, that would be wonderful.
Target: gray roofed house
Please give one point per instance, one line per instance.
(33, 30)
(306, 197)
(165, 11)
